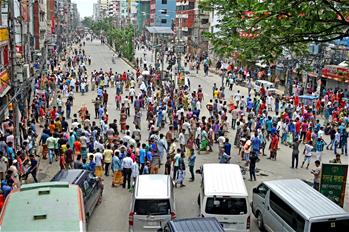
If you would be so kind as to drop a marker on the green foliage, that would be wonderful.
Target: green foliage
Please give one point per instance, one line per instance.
(121, 38)
(87, 22)
(276, 24)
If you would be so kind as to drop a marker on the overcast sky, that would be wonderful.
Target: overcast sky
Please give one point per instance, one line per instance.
(85, 7)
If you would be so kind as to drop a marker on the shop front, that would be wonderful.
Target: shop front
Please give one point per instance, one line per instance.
(335, 76)
(4, 75)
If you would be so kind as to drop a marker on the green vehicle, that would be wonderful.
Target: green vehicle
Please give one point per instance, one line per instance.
(50, 206)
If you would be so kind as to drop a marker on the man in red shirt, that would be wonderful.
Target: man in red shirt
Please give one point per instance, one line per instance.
(274, 146)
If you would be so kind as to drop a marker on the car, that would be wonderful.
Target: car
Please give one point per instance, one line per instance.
(91, 186)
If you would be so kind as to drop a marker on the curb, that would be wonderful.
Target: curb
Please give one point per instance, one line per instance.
(129, 63)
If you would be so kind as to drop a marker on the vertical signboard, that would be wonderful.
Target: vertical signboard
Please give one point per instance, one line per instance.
(333, 182)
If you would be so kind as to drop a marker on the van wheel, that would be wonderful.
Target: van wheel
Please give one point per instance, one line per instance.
(199, 199)
(260, 222)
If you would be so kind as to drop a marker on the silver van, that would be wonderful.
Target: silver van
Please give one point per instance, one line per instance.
(292, 205)
(223, 195)
(153, 203)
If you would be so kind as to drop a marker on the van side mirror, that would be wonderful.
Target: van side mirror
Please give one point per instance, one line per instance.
(255, 190)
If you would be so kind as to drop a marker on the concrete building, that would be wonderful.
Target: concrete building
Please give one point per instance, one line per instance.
(143, 15)
(198, 43)
(96, 14)
(185, 18)
(113, 8)
(162, 13)
(103, 8)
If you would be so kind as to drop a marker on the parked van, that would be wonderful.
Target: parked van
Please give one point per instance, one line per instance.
(193, 224)
(153, 203)
(50, 206)
(224, 196)
(292, 205)
(266, 84)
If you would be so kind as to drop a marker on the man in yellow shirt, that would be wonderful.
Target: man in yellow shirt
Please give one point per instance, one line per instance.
(107, 157)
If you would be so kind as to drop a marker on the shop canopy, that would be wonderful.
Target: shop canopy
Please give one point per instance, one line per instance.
(160, 30)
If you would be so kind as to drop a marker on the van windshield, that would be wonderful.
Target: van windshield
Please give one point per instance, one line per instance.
(152, 207)
(227, 206)
(330, 226)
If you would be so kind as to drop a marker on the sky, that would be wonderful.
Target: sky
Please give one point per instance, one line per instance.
(85, 7)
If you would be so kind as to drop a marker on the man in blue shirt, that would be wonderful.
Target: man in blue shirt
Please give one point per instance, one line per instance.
(256, 144)
(142, 157)
(227, 147)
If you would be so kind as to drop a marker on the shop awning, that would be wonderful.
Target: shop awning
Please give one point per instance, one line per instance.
(4, 92)
(160, 30)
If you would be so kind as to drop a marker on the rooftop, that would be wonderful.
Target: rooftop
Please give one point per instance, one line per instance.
(42, 206)
(152, 187)
(160, 30)
(223, 180)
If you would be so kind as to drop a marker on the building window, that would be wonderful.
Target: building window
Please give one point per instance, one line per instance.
(164, 2)
(163, 21)
(163, 11)
(204, 21)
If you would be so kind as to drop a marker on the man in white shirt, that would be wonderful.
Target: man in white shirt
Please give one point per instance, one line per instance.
(98, 157)
(127, 170)
(176, 163)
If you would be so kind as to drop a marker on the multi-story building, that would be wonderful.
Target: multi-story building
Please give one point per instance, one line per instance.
(113, 8)
(4, 66)
(42, 22)
(185, 18)
(103, 8)
(143, 14)
(162, 13)
(199, 43)
(96, 12)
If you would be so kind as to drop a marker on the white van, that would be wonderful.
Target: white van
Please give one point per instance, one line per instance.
(292, 205)
(224, 196)
(153, 203)
(266, 84)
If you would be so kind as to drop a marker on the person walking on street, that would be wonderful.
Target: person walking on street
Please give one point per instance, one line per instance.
(181, 171)
(107, 158)
(319, 145)
(295, 153)
(176, 160)
(307, 154)
(191, 164)
(127, 163)
(252, 162)
(317, 173)
(32, 169)
(344, 142)
(116, 169)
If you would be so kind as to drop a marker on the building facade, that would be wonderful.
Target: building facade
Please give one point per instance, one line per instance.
(162, 13)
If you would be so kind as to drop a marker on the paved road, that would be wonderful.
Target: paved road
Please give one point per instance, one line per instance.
(112, 213)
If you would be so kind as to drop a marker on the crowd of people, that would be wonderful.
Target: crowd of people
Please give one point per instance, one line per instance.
(181, 124)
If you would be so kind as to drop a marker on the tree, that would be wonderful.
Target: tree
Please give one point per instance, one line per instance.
(256, 28)
(87, 22)
(121, 38)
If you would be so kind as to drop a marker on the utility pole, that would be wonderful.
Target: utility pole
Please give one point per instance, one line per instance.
(13, 58)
